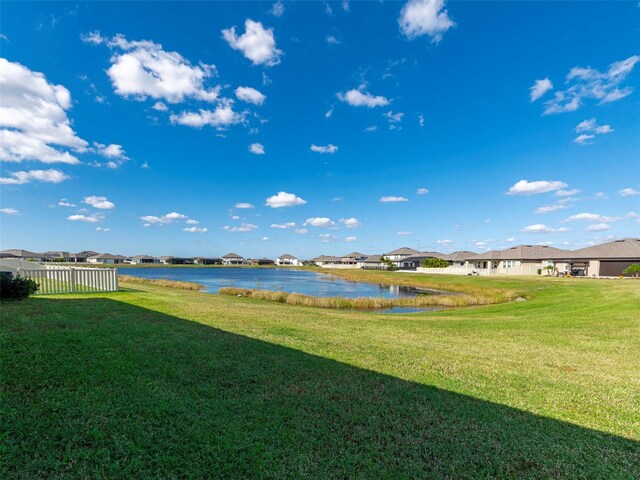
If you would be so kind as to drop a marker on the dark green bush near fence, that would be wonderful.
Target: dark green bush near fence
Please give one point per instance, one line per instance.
(16, 288)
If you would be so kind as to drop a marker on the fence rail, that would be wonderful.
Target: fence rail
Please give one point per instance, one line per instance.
(72, 280)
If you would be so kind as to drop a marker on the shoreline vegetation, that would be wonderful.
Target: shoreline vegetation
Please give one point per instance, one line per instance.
(161, 282)
(368, 303)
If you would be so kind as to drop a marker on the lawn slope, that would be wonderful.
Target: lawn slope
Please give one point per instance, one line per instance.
(162, 382)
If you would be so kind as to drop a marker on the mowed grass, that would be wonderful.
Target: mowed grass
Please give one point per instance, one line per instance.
(166, 383)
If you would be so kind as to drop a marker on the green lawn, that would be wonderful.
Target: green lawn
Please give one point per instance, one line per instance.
(160, 382)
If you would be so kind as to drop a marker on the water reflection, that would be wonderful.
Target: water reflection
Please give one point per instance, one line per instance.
(293, 281)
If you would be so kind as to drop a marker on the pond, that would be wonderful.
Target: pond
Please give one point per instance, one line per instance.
(278, 279)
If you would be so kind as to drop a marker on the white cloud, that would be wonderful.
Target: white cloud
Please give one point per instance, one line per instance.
(235, 217)
(538, 228)
(243, 227)
(195, 229)
(33, 118)
(393, 117)
(323, 222)
(265, 238)
(566, 193)
(160, 107)
(301, 231)
(372, 128)
(256, 44)
(445, 242)
(329, 112)
(598, 227)
(583, 139)
(142, 69)
(591, 217)
(425, 17)
(524, 187)
(392, 199)
(250, 95)
(220, 118)
(351, 239)
(332, 40)
(93, 218)
(191, 221)
(351, 222)
(337, 199)
(324, 148)
(539, 88)
(589, 83)
(111, 151)
(421, 120)
(284, 199)
(277, 9)
(64, 203)
(422, 191)
(22, 177)
(327, 238)
(628, 192)
(98, 202)
(103, 229)
(358, 98)
(283, 226)
(551, 208)
(256, 148)
(404, 233)
(9, 211)
(164, 219)
(244, 205)
(510, 239)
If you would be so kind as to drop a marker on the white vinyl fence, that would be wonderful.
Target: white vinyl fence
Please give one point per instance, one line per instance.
(72, 280)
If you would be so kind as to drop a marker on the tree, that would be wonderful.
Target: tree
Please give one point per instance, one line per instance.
(388, 263)
(549, 269)
(633, 269)
(434, 263)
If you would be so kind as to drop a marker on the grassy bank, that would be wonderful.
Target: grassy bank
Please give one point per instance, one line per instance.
(160, 282)
(163, 382)
(478, 297)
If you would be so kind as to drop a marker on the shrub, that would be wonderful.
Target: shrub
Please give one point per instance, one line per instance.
(633, 269)
(539, 271)
(16, 288)
(434, 263)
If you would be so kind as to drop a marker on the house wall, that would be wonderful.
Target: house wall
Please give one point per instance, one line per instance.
(340, 265)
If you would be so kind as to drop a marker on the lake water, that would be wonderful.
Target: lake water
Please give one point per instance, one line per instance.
(279, 279)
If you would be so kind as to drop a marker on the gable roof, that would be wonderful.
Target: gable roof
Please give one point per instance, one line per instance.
(144, 257)
(624, 248)
(108, 256)
(372, 259)
(458, 256)
(286, 256)
(403, 251)
(523, 252)
(232, 255)
(421, 256)
(354, 255)
(22, 253)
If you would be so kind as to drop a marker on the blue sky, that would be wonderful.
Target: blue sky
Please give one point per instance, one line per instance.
(482, 125)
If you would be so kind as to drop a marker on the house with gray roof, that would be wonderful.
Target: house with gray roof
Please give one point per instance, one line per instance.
(607, 259)
(288, 260)
(232, 259)
(414, 261)
(400, 253)
(140, 259)
(107, 258)
(23, 254)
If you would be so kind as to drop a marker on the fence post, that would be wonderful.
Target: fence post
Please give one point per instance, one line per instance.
(72, 279)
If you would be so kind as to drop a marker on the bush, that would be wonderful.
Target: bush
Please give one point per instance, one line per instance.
(434, 263)
(16, 288)
(633, 269)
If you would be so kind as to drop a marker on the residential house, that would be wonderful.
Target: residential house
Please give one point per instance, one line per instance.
(264, 262)
(23, 254)
(352, 258)
(143, 259)
(400, 253)
(207, 261)
(107, 258)
(326, 260)
(605, 260)
(287, 260)
(414, 261)
(520, 260)
(459, 258)
(232, 259)
(372, 262)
